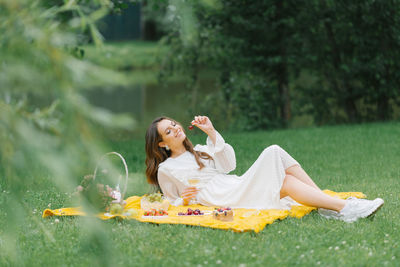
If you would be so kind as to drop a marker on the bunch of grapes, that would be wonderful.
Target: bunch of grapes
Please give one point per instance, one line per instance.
(155, 197)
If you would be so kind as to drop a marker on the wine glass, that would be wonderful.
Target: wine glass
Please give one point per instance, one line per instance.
(193, 182)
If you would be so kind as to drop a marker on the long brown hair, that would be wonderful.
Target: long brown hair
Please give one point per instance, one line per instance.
(156, 154)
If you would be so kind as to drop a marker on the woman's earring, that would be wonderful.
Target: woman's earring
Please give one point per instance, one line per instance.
(167, 147)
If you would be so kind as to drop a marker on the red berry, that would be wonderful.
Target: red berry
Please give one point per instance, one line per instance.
(190, 127)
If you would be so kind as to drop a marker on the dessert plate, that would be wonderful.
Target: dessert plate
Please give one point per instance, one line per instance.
(205, 212)
(155, 217)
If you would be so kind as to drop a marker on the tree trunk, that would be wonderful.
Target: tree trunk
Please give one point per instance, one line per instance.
(282, 72)
(284, 96)
(149, 31)
(351, 109)
(383, 108)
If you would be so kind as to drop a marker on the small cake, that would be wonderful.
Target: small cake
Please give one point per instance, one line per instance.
(223, 214)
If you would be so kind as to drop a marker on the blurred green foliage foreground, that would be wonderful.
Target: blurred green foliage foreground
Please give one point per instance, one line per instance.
(46, 126)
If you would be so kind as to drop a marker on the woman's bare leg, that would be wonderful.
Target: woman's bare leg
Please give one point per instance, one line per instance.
(300, 174)
(309, 195)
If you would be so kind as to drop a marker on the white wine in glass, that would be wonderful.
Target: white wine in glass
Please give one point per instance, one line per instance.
(193, 181)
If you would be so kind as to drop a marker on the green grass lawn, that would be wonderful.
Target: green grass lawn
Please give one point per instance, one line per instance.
(342, 158)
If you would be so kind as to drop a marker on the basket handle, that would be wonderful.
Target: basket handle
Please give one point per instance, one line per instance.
(126, 170)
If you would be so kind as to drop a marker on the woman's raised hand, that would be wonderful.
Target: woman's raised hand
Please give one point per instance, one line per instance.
(203, 123)
(188, 194)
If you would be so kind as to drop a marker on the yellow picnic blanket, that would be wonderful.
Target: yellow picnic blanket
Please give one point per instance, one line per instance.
(244, 219)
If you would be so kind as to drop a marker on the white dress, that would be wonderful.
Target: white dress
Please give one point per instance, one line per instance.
(258, 188)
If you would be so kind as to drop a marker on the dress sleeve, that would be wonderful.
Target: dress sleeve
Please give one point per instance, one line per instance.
(169, 187)
(223, 154)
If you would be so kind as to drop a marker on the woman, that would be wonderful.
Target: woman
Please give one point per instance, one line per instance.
(272, 182)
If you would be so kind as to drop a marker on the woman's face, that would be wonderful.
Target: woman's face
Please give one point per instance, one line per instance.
(171, 132)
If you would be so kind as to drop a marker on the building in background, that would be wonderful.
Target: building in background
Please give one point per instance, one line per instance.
(136, 21)
(124, 25)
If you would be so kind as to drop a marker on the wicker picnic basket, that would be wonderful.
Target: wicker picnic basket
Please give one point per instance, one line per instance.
(101, 196)
(118, 185)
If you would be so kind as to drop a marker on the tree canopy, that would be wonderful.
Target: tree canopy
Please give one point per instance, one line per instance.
(334, 60)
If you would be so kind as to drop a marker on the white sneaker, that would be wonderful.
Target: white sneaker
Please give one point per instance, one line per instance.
(328, 214)
(331, 214)
(359, 208)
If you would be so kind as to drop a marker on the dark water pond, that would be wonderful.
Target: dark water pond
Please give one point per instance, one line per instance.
(146, 102)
